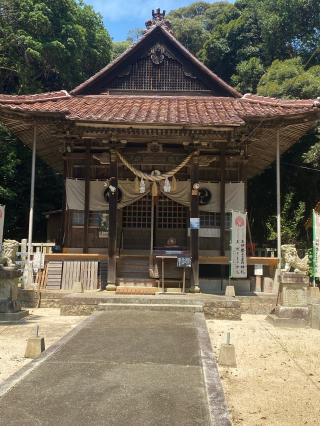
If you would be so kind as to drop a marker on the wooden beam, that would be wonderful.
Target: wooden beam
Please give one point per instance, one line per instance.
(75, 256)
(65, 211)
(112, 242)
(87, 201)
(224, 260)
(194, 233)
(222, 202)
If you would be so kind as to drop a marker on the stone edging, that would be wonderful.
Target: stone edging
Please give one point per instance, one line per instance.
(219, 413)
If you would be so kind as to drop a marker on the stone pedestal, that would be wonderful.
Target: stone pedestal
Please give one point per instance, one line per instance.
(315, 316)
(227, 356)
(230, 291)
(292, 310)
(35, 346)
(10, 309)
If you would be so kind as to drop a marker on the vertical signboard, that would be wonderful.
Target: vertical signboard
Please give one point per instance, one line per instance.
(238, 245)
(316, 244)
(2, 208)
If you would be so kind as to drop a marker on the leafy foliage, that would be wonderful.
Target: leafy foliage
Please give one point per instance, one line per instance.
(270, 47)
(49, 45)
(288, 79)
(44, 46)
(118, 47)
(292, 216)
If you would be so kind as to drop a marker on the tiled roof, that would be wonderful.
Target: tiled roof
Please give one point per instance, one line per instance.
(158, 110)
(38, 97)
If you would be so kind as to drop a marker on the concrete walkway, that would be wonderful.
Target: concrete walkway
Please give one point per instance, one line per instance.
(119, 368)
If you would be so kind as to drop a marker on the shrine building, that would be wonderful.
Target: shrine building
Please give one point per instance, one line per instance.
(147, 146)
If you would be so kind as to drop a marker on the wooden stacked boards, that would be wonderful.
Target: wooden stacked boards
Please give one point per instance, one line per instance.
(61, 275)
(84, 271)
(54, 273)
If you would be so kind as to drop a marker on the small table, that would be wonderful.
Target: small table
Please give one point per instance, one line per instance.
(171, 256)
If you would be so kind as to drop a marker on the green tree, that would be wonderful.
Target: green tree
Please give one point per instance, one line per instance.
(118, 47)
(248, 74)
(48, 45)
(292, 219)
(289, 79)
(45, 45)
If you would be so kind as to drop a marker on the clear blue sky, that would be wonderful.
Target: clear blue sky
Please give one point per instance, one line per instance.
(120, 16)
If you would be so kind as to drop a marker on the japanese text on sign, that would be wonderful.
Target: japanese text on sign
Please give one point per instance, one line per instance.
(238, 246)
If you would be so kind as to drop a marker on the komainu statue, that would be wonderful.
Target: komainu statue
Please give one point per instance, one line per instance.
(292, 260)
(9, 253)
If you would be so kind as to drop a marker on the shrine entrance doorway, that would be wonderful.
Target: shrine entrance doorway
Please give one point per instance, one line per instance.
(149, 224)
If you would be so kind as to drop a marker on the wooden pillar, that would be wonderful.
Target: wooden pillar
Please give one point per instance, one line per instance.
(278, 184)
(194, 233)
(64, 223)
(222, 202)
(112, 242)
(222, 212)
(87, 201)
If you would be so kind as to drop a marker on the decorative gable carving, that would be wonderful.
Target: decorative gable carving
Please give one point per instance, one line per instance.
(158, 70)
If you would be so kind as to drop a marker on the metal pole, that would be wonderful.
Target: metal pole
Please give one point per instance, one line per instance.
(33, 171)
(278, 199)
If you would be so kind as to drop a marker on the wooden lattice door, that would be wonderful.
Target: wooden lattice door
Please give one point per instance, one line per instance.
(171, 221)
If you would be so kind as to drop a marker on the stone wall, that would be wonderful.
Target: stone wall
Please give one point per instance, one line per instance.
(28, 298)
(223, 309)
(259, 305)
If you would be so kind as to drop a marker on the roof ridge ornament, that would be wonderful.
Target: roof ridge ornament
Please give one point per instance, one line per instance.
(158, 19)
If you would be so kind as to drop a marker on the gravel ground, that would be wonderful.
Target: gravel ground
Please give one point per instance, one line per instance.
(13, 337)
(277, 379)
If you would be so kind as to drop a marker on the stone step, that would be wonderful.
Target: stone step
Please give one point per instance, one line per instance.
(157, 299)
(150, 306)
(136, 290)
(136, 282)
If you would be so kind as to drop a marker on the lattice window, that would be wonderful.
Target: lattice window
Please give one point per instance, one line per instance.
(171, 215)
(212, 220)
(95, 218)
(138, 214)
(166, 76)
(77, 218)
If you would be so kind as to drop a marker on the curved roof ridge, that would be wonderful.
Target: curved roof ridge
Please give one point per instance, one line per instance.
(37, 97)
(281, 102)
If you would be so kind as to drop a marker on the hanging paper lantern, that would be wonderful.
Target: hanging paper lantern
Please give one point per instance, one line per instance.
(142, 188)
(166, 186)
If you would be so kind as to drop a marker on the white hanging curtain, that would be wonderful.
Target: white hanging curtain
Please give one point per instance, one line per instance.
(234, 195)
(75, 191)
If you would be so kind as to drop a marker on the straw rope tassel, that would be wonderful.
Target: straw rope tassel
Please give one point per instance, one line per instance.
(150, 178)
(136, 185)
(154, 189)
(173, 184)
